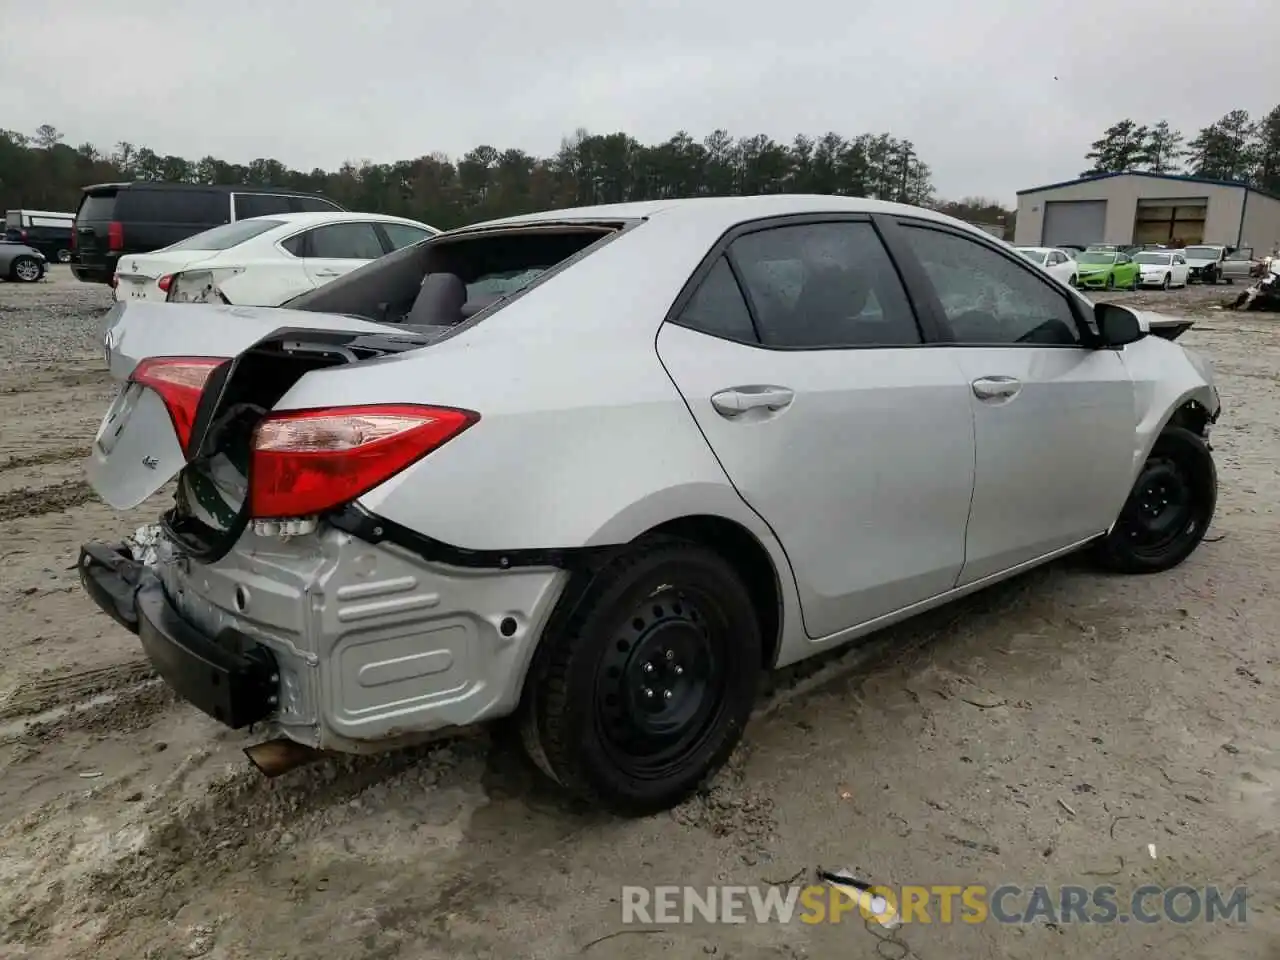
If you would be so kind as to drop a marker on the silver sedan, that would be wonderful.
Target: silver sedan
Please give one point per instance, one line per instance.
(599, 468)
(21, 263)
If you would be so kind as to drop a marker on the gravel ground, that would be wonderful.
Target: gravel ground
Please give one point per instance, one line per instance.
(1046, 731)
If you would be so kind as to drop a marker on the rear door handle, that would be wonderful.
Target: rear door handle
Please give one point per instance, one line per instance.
(738, 400)
(996, 387)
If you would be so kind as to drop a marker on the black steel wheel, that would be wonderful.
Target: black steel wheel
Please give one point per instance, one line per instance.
(643, 690)
(1169, 508)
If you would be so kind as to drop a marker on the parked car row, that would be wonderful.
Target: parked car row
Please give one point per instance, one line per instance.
(1105, 266)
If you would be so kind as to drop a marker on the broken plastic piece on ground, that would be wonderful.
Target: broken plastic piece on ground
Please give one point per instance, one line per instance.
(873, 905)
(279, 756)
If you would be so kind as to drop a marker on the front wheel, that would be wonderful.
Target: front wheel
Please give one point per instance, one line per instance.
(1133, 285)
(26, 269)
(644, 689)
(1111, 281)
(1169, 508)
(1164, 284)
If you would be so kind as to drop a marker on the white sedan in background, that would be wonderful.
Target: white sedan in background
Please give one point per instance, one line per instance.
(1055, 260)
(1162, 268)
(264, 261)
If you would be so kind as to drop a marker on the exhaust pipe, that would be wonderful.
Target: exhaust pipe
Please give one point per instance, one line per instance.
(279, 756)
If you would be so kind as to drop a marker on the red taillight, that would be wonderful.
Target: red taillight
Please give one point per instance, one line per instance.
(115, 235)
(309, 461)
(74, 231)
(164, 282)
(180, 381)
(24, 236)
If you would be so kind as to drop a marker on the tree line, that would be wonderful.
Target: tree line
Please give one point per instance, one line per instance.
(41, 171)
(1233, 147)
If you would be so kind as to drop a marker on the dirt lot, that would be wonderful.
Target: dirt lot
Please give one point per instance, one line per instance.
(1046, 731)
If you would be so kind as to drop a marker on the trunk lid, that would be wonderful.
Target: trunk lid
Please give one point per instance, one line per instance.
(137, 450)
(139, 272)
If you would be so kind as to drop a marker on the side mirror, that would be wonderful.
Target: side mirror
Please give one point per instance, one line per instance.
(1117, 325)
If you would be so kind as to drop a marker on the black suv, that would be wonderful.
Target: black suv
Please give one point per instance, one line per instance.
(115, 219)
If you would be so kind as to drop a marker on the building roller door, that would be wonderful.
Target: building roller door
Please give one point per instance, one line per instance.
(1073, 221)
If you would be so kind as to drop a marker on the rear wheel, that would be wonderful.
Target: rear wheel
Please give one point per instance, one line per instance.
(26, 269)
(64, 256)
(1133, 284)
(1111, 281)
(1169, 508)
(644, 689)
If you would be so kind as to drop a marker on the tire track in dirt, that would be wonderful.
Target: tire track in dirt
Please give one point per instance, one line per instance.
(32, 501)
(42, 459)
(41, 696)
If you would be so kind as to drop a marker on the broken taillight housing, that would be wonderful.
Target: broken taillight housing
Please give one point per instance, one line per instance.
(163, 282)
(180, 381)
(307, 462)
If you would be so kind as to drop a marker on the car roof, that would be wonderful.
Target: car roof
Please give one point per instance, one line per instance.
(202, 187)
(327, 216)
(723, 212)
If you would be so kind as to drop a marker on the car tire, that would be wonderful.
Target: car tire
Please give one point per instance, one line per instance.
(1074, 281)
(1153, 534)
(1111, 281)
(25, 269)
(64, 256)
(645, 678)
(1165, 284)
(1134, 283)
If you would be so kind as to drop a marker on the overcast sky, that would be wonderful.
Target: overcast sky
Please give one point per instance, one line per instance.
(997, 95)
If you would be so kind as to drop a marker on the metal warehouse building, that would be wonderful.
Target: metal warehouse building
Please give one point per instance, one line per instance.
(1125, 208)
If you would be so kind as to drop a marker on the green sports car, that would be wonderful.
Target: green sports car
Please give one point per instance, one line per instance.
(1107, 269)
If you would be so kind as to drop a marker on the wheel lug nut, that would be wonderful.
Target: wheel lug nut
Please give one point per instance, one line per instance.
(666, 694)
(671, 654)
(647, 668)
(648, 693)
(678, 670)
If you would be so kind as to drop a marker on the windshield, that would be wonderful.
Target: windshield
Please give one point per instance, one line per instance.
(226, 236)
(1156, 258)
(1035, 256)
(1201, 253)
(1097, 256)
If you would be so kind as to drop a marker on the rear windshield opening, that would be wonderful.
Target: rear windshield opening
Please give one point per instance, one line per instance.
(441, 283)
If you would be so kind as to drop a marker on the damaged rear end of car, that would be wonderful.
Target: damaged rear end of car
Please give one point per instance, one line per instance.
(263, 593)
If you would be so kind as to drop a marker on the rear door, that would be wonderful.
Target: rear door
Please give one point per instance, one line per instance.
(336, 249)
(1054, 417)
(799, 354)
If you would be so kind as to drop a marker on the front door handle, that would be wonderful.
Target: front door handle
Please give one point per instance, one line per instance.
(738, 400)
(996, 387)
(328, 273)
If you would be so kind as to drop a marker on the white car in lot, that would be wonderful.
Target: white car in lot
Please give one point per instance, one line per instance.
(1058, 262)
(598, 468)
(264, 261)
(1161, 268)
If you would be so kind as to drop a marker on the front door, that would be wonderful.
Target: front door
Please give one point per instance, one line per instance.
(1054, 418)
(852, 440)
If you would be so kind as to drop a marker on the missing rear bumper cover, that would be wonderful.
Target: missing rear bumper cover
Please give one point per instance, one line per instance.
(229, 677)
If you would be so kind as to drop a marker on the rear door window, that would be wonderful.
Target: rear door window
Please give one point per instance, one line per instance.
(344, 241)
(140, 205)
(261, 205)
